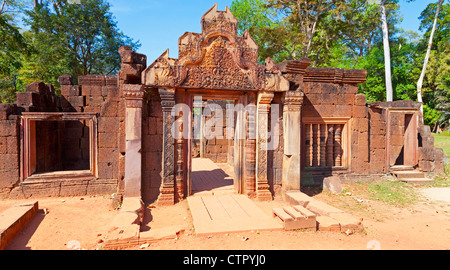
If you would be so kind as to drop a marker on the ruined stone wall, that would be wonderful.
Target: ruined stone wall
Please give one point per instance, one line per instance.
(430, 159)
(100, 94)
(389, 122)
(217, 149)
(38, 97)
(326, 101)
(152, 137)
(9, 149)
(377, 139)
(64, 145)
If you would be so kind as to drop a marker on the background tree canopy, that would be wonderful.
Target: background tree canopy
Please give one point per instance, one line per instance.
(63, 36)
(347, 34)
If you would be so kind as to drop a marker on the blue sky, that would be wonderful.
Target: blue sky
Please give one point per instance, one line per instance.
(158, 24)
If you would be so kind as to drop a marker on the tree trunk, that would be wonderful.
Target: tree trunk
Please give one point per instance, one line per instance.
(427, 56)
(387, 53)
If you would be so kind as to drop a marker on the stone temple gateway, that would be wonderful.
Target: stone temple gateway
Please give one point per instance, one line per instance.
(116, 134)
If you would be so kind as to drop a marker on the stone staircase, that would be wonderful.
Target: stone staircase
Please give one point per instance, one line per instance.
(410, 175)
(306, 212)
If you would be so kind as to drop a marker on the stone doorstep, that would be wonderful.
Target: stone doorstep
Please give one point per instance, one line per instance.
(125, 231)
(296, 217)
(328, 218)
(408, 174)
(411, 176)
(14, 219)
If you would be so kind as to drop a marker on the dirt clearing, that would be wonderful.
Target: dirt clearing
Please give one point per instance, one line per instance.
(423, 224)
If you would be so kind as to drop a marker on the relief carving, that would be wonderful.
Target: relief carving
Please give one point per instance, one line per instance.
(216, 59)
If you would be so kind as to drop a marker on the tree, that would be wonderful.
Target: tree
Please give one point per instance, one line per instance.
(301, 20)
(329, 32)
(12, 45)
(78, 39)
(387, 51)
(427, 56)
(435, 89)
(255, 18)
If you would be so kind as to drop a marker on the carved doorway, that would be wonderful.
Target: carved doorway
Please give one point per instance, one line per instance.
(402, 143)
(215, 152)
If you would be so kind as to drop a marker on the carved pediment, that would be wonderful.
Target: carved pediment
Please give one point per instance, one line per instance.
(216, 59)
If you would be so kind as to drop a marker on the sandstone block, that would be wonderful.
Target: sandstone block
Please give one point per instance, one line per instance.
(12, 145)
(65, 79)
(108, 155)
(360, 111)
(28, 99)
(332, 184)
(108, 124)
(321, 208)
(108, 140)
(325, 223)
(91, 80)
(77, 101)
(14, 219)
(360, 100)
(3, 145)
(36, 87)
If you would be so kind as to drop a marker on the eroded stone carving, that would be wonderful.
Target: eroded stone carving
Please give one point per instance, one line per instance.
(216, 59)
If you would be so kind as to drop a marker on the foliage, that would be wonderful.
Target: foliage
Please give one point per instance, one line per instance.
(78, 39)
(347, 34)
(12, 45)
(437, 79)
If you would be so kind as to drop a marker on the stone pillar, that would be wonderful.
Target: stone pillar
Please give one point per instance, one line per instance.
(262, 184)
(179, 152)
(245, 154)
(133, 94)
(293, 101)
(167, 190)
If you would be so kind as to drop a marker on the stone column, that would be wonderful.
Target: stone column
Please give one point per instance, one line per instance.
(133, 94)
(179, 152)
(293, 101)
(167, 190)
(262, 184)
(248, 155)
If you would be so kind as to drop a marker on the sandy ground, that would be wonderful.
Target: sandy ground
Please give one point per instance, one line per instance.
(82, 219)
(425, 225)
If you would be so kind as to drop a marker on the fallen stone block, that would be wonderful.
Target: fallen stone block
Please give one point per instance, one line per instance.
(332, 184)
(325, 223)
(125, 228)
(347, 221)
(297, 198)
(14, 219)
(321, 208)
(155, 235)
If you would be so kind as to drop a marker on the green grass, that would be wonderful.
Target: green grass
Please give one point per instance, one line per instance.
(442, 140)
(392, 192)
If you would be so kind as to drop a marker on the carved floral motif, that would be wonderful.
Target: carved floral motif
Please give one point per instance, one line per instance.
(216, 59)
